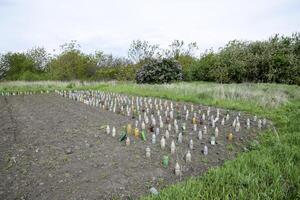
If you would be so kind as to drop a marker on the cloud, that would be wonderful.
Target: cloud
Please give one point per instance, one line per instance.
(112, 25)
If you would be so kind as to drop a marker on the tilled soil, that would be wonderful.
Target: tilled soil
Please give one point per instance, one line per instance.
(53, 148)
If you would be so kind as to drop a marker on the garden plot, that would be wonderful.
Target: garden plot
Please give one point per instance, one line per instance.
(113, 145)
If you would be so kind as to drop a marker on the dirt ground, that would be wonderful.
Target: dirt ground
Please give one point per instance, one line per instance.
(53, 148)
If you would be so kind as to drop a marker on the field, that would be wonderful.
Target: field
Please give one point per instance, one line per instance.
(56, 146)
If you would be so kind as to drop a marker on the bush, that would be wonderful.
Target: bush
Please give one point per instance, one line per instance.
(121, 73)
(32, 76)
(201, 69)
(159, 71)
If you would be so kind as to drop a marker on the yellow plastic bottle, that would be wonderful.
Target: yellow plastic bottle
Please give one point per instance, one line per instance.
(194, 121)
(230, 137)
(129, 129)
(136, 132)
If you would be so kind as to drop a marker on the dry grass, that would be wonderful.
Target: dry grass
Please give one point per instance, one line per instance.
(265, 95)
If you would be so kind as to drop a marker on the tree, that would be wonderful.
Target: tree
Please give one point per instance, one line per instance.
(178, 48)
(13, 65)
(159, 71)
(142, 51)
(40, 57)
(73, 64)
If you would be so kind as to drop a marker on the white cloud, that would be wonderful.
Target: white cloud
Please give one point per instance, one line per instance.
(112, 25)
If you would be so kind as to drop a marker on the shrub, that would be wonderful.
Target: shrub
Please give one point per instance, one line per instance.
(201, 69)
(32, 76)
(160, 71)
(120, 73)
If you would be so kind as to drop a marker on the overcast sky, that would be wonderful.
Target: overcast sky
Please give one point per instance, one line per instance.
(111, 25)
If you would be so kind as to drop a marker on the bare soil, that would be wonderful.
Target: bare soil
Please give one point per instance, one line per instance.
(53, 148)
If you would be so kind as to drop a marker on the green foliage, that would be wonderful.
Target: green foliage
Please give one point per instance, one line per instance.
(141, 51)
(275, 60)
(40, 57)
(200, 68)
(178, 48)
(14, 65)
(30, 76)
(121, 73)
(72, 64)
(186, 61)
(159, 71)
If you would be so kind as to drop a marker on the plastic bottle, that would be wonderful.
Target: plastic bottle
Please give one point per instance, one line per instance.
(237, 126)
(230, 136)
(161, 124)
(162, 143)
(200, 136)
(248, 123)
(107, 129)
(143, 125)
(167, 134)
(259, 124)
(195, 127)
(127, 141)
(157, 131)
(173, 147)
(129, 129)
(169, 127)
(223, 121)
(136, 132)
(204, 130)
(165, 161)
(191, 144)
(188, 157)
(216, 132)
(212, 140)
(180, 138)
(113, 132)
(153, 138)
(143, 135)
(227, 117)
(148, 152)
(194, 120)
(205, 150)
(177, 169)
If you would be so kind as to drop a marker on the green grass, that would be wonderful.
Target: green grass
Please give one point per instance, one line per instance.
(271, 170)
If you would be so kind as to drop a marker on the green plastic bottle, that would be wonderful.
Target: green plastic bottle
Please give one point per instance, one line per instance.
(143, 135)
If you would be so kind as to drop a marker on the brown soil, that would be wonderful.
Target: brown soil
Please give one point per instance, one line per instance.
(53, 148)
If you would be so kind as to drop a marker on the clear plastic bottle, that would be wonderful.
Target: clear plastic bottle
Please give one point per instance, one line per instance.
(188, 157)
(191, 144)
(107, 129)
(153, 138)
(127, 141)
(205, 150)
(173, 147)
(180, 138)
(148, 152)
(200, 136)
(177, 169)
(167, 134)
(113, 132)
(163, 143)
(212, 140)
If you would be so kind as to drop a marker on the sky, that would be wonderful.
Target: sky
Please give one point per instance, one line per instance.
(111, 25)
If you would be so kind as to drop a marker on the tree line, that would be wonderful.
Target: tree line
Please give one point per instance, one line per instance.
(276, 59)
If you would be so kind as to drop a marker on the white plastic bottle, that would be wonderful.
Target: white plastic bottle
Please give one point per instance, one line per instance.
(163, 143)
(173, 147)
(188, 157)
